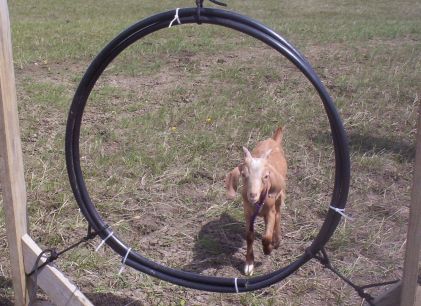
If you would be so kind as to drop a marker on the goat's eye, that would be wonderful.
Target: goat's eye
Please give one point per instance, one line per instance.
(266, 176)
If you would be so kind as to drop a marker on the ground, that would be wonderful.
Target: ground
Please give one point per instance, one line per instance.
(167, 121)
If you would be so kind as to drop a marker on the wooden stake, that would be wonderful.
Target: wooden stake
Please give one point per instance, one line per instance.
(392, 297)
(23, 250)
(413, 240)
(11, 162)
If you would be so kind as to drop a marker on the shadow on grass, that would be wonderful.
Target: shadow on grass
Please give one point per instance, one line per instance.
(216, 244)
(364, 143)
(112, 300)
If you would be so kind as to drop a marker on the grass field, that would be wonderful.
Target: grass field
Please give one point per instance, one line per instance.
(168, 118)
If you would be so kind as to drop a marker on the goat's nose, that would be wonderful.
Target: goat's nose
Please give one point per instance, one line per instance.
(253, 195)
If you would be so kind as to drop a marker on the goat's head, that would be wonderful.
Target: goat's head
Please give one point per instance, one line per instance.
(255, 174)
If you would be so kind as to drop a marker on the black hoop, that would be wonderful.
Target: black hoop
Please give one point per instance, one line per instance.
(252, 28)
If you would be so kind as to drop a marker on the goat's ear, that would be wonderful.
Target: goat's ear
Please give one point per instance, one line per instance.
(247, 154)
(231, 182)
(277, 136)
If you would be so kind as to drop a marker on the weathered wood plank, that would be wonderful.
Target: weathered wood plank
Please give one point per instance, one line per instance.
(58, 288)
(11, 161)
(418, 296)
(413, 240)
(392, 297)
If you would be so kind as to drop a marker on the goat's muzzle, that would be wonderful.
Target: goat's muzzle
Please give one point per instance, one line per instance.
(259, 204)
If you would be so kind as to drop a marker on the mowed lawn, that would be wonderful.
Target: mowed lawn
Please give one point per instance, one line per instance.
(167, 120)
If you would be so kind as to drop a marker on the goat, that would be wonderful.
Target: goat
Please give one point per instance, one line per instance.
(263, 172)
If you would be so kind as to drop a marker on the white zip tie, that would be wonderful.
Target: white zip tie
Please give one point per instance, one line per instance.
(176, 18)
(341, 211)
(124, 261)
(236, 285)
(103, 241)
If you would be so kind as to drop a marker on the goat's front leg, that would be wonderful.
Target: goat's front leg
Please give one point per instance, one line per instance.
(270, 224)
(249, 267)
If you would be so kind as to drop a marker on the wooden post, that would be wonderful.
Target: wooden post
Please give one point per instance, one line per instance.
(23, 250)
(11, 161)
(413, 240)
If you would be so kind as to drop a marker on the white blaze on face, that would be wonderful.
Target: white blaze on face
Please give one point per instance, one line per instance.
(256, 168)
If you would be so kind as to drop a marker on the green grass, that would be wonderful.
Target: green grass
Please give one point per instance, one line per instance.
(167, 120)
(76, 30)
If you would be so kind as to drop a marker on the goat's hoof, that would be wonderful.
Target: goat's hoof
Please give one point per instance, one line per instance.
(249, 269)
(267, 249)
(276, 244)
(267, 246)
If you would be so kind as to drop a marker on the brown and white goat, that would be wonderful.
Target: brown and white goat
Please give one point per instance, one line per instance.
(263, 172)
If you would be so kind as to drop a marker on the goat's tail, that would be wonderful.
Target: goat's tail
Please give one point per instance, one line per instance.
(231, 182)
(277, 136)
